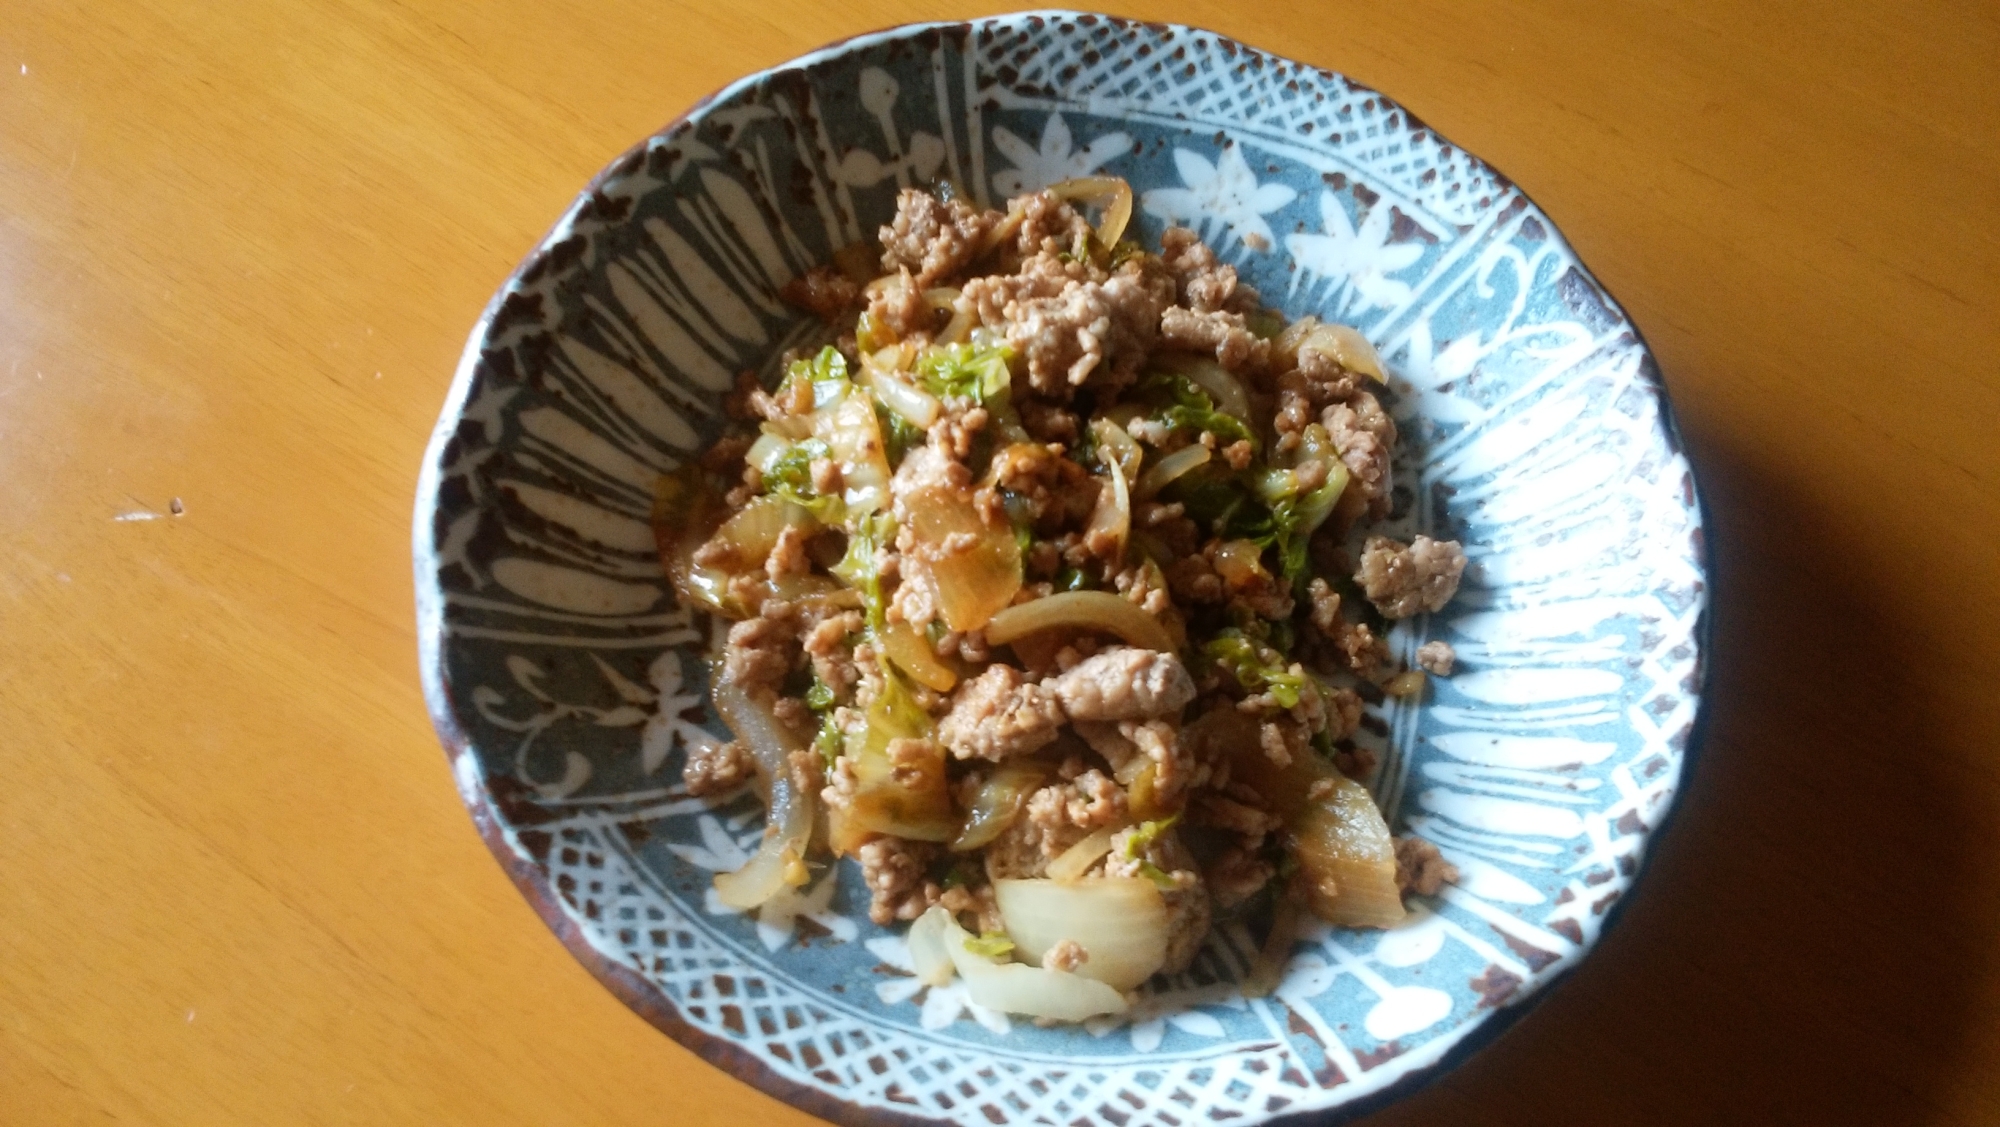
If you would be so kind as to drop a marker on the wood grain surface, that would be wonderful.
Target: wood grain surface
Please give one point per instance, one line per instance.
(240, 248)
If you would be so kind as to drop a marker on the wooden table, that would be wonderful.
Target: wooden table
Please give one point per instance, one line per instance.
(240, 247)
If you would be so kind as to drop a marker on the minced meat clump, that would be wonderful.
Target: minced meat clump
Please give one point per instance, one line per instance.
(1056, 562)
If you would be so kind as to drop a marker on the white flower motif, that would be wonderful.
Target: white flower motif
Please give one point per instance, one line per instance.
(778, 918)
(1362, 259)
(718, 851)
(1224, 195)
(1056, 160)
(1147, 1021)
(667, 724)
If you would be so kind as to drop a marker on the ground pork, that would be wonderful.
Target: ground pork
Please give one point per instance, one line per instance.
(762, 650)
(1204, 285)
(1090, 801)
(934, 238)
(714, 768)
(1357, 763)
(1356, 645)
(1049, 225)
(959, 899)
(957, 426)
(1436, 657)
(1402, 580)
(1224, 334)
(1055, 817)
(1124, 683)
(1066, 955)
(900, 307)
(824, 292)
(1169, 524)
(1048, 422)
(1236, 875)
(1420, 868)
(894, 871)
(1209, 809)
(788, 556)
(1365, 435)
(998, 715)
(1192, 579)
(1187, 898)
(1326, 379)
(1142, 583)
(1065, 339)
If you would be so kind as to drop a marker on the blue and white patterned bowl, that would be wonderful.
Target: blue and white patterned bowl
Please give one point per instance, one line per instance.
(565, 683)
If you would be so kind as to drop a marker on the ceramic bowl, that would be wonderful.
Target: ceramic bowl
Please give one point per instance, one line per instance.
(565, 683)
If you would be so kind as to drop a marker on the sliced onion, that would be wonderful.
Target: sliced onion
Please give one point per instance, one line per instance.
(1167, 469)
(1347, 347)
(1077, 859)
(1240, 563)
(971, 585)
(1408, 683)
(1088, 610)
(1113, 515)
(780, 861)
(1114, 445)
(1227, 391)
(1032, 991)
(913, 654)
(1112, 191)
(928, 956)
(999, 801)
(1121, 922)
(960, 326)
(913, 403)
(1268, 968)
(909, 799)
(1285, 347)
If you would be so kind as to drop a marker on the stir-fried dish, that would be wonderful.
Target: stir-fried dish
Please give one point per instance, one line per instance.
(1050, 601)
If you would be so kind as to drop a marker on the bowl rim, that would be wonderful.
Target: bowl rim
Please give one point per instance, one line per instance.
(488, 809)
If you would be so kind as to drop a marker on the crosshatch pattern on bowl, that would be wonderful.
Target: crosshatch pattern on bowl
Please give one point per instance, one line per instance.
(569, 684)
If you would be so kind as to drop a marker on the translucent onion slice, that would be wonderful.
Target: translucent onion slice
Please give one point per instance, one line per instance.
(1167, 469)
(1089, 610)
(1408, 683)
(1031, 991)
(780, 861)
(1347, 347)
(971, 584)
(1113, 515)
(913, 403)
(913, 654)
(1344, 847)
(1114, 445)
(1345, 854)
(928, 956)
(1111, 191)
(1268, 968)
(999, 801)
(1073, 862)
(1121, 922)
(1227, 391)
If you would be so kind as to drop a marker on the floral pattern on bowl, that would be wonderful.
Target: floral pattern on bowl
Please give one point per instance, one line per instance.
(567, 686)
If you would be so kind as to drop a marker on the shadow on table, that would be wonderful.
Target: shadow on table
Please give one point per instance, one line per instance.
(1804, 947)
